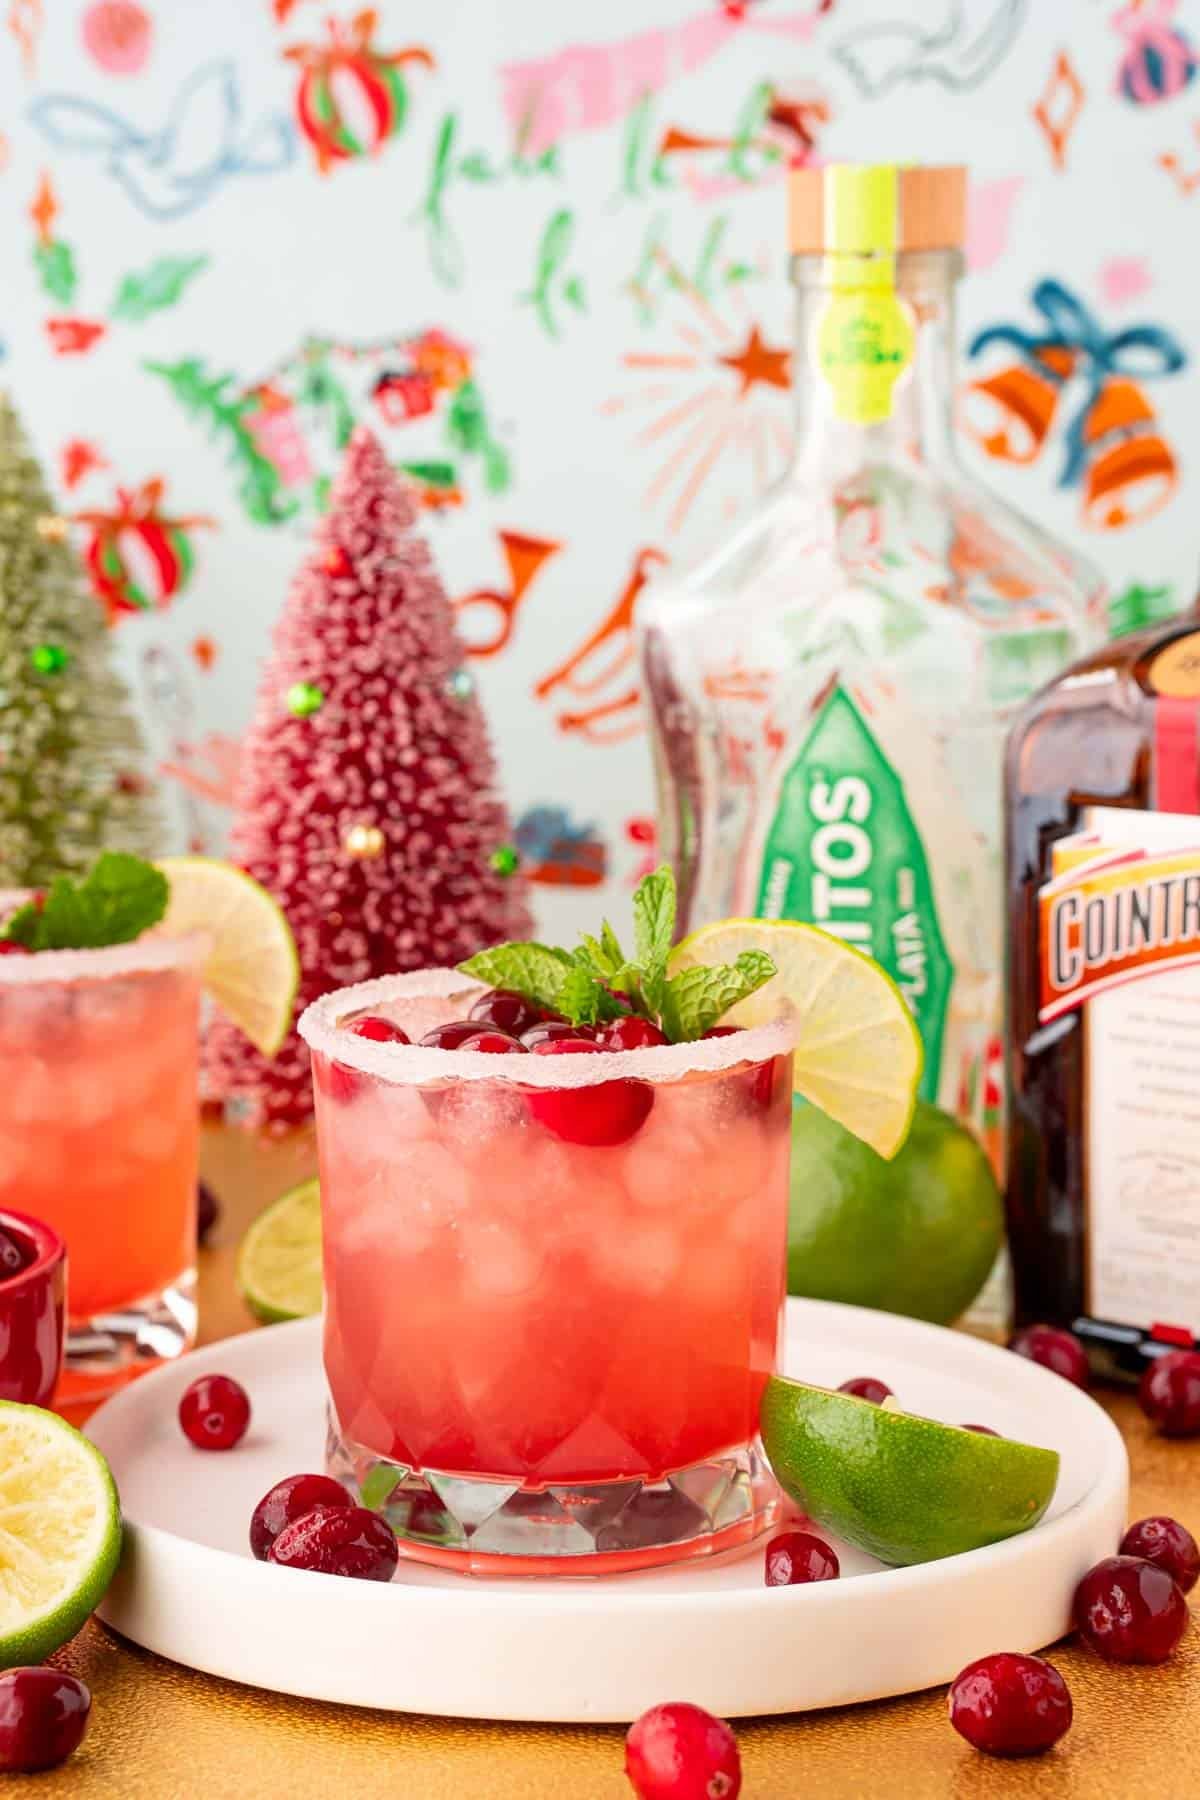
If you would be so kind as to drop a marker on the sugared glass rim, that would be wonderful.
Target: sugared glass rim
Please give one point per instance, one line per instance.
(416, 1065)
(143, 956)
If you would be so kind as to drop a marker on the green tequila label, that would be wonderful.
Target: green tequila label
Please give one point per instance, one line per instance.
(844, 852)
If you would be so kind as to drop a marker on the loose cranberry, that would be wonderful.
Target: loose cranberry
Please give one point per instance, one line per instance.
(983, 1430)
(452, 1035)
(349, 1541)
(207, 1210)
(1169, 1393)
(1010, 1705)
(43, 1717)
(214, 1412)
(506, 1011)
(289, 1500)
(1167, 1544)
(632, 1033)
(12, 1256)
(493, 1043)
(549, 1031)
(1053, 1349)
(680, 1752)
(608, 1113)
(1130, 1610)
(865, 1387)
(377, 1029)
(797, 1556)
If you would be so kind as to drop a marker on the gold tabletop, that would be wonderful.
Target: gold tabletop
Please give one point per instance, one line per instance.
(161, 1732)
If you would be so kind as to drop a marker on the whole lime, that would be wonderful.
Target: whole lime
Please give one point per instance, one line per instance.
(916, 1235)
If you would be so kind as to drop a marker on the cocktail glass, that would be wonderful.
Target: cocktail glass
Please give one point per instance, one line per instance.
(545, 1355)
(98, 1137)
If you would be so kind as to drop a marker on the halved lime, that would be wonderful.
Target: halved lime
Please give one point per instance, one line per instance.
(858, 1055)
(60, 1532)
(279, 1263)
(252, 971)
(906, 1489)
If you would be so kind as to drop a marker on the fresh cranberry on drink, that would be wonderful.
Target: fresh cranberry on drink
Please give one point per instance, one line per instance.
(12, 1256)
(214, 1412)
(1010, 1705)
(1169, 1545)
(349, 1541)
(493, 1043)
(452, 1035)
(43, 1717)
(289, 1500)
(608, 1113)
(10, 947)
(720, 1031)
(795, 1557)
(549, 1031)
(681, 1752)
(865, 1387)
(377, 1030)
(632, 1033)
(1130, 1611)
(983, 1430)
(1169, 1393)
(1058, 1350)
(506, 1011)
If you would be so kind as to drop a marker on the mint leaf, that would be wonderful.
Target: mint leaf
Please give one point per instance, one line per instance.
(579, 996)
(697, 998)
(535, 971)
(115, 902)
(654, 918)
(611, 946)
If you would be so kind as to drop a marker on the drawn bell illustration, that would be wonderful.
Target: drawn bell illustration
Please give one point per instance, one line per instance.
(1131, 470)
(1010, 414)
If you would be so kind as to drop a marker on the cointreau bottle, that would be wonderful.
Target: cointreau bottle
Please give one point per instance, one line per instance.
(1103, 803)
(830, 692)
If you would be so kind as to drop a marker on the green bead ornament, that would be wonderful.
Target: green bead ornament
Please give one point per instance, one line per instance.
(305, 698)
(504, 860)
(49, 659)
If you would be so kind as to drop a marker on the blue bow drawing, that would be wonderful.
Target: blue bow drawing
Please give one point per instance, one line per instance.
(172, 171)
(1139, 353)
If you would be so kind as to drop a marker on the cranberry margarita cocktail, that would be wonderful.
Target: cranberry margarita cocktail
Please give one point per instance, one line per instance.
(98, 1137)
(554, 1274)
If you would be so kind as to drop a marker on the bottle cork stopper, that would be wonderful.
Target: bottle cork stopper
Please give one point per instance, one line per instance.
(846, 207)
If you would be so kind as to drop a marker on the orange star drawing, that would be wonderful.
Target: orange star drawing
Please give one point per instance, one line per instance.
(756, 361)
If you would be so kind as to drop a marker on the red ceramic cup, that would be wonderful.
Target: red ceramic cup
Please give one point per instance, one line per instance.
(33, 1313)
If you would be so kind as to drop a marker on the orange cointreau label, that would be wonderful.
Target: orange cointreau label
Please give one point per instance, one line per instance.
(1110, 915)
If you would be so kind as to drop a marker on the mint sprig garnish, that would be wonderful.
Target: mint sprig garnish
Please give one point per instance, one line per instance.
(598, 981)
(119, 898)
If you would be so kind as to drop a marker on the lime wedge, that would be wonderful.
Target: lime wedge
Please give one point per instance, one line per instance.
(60, 1532)
(858, 1056)
(279, 1263)
(252, 971)
(906, 1489)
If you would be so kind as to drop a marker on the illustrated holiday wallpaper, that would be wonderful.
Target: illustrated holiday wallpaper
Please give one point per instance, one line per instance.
(540, 249)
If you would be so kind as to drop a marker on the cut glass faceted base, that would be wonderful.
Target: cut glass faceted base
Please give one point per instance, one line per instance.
(488, 1526)
(104, 1352)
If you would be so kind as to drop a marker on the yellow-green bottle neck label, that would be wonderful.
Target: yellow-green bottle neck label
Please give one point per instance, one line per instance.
(865, 338)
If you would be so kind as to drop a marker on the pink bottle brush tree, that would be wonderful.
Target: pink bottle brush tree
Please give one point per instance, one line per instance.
(366, 798)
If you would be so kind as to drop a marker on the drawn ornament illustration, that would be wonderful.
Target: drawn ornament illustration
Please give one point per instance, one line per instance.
(137, 558)
(1072, 371)
(1158, 60)
(352, 97)
(284, 432)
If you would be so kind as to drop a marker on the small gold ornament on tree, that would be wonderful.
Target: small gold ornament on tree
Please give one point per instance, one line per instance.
(304, 698)
(505, 860)
(52, 528)
(363, 843)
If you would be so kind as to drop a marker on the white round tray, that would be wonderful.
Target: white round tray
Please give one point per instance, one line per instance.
(578, 1649)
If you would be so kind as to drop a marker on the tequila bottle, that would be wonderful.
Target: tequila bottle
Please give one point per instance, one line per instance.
(830, 692)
